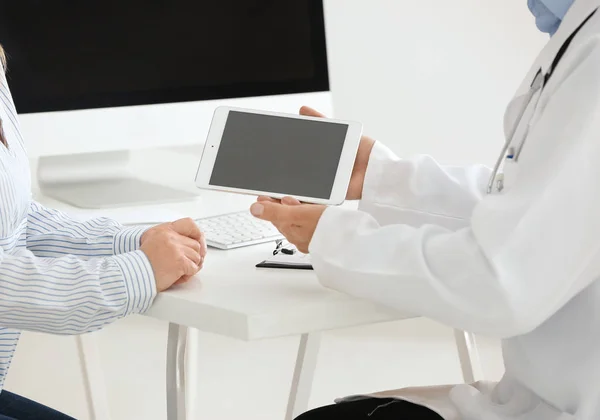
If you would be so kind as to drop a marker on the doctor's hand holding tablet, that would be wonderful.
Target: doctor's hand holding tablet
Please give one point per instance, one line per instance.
(361, 161)
(297, 221)
(312, 159)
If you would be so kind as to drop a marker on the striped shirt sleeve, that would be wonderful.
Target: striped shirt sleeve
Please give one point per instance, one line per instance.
(51, 233)
(70, 295)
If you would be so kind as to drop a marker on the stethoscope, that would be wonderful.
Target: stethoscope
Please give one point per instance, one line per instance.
(496, 182)
(508, 153)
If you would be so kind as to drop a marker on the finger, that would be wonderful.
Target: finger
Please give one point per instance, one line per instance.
(191, 267)
(309, 112)
(272, 212)
(193, 256)
(183, 280)
(269, 199)
(203, 247)
(186, 227)
(190, 243)
(290, 201)
(198, 247)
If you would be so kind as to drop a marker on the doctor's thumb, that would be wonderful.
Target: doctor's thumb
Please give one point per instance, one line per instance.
(266, 210)
(257, 209)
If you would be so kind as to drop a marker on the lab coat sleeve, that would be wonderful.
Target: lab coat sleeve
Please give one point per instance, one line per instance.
(419, 190)
(69, 295)
(526, 252)
(51, 233)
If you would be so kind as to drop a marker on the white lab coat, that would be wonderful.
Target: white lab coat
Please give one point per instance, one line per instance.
(522, 264)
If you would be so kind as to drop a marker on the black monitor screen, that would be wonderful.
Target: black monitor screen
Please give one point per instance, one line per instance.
(69, 54)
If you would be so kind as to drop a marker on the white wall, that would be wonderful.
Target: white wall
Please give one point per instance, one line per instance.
(424, 76)
(430, 76)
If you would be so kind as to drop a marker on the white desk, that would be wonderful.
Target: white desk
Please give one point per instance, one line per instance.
(233, 298)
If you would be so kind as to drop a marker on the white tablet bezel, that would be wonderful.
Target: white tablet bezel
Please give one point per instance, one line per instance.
(342, 177)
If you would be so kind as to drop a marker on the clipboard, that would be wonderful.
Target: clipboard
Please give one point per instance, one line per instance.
(287, 258)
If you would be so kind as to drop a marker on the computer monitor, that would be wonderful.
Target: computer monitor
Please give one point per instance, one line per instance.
(95, 79)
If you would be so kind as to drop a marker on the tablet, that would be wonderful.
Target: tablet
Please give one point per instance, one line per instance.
(277, 155)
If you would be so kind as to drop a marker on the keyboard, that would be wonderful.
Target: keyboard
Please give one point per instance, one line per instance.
(236, 230)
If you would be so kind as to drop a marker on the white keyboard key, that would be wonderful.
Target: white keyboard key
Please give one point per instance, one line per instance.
(236, 230)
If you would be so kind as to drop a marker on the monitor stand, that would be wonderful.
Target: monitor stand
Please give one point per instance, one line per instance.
(101, 180)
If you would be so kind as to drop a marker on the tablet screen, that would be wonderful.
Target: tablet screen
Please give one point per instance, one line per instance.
(279, 155)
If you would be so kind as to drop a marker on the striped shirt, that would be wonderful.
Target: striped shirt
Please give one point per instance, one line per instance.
(58, 275)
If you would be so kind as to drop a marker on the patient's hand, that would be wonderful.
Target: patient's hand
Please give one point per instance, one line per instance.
(176, 251)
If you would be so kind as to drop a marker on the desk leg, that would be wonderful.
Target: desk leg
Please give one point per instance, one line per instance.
(93, 377)
(468, 355)
(304, 373)
(176, 344)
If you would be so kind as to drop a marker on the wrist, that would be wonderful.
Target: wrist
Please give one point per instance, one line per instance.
(355, 191)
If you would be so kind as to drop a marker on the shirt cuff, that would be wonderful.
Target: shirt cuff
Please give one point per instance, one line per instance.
(380, 156)
(128, 239)
(328, 230)
(139, 281)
